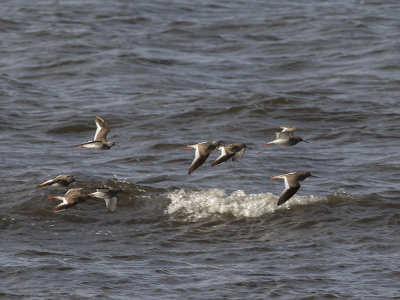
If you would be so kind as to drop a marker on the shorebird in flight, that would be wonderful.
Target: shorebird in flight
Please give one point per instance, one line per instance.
(100, 141)
(292, 184)
(234, 151)
(110, 196)
(60, 180)
(203, 150)
(286, 137)
(71, 198)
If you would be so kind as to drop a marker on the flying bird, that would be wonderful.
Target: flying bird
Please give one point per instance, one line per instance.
(110, 196)
(100, 138)
(60, 180)
(234, 151)
(286, 137)
(203, 150)
(292, 184)
(71, 198)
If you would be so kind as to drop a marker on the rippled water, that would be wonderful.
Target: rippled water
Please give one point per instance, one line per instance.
(165, 74)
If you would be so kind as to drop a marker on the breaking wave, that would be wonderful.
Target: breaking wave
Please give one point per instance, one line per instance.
(195, 205)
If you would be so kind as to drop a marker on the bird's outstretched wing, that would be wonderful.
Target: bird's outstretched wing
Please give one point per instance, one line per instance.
(102, 129)
(288, 193)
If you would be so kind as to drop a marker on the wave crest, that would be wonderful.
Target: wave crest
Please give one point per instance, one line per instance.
(196, 205)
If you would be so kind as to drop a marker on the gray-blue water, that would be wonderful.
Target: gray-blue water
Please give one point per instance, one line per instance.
(166, 74)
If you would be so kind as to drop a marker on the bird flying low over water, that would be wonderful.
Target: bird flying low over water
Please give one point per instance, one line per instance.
(203, 150)
(100, 141)
(60, 180)
(286, 137)
(110, 196)
(234, 151)
(71, 198)
(292, 184)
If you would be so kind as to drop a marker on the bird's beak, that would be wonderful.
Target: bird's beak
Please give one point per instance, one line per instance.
(188, 148)
(314, 176)
(273, 178)
(304, 141)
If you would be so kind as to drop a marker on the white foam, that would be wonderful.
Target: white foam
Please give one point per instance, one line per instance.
(195, 205)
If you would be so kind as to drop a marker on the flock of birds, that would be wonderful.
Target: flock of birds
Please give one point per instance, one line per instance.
(233, 151)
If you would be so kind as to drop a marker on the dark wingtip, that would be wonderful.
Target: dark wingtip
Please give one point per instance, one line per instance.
(280, 202)
(58, 209)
